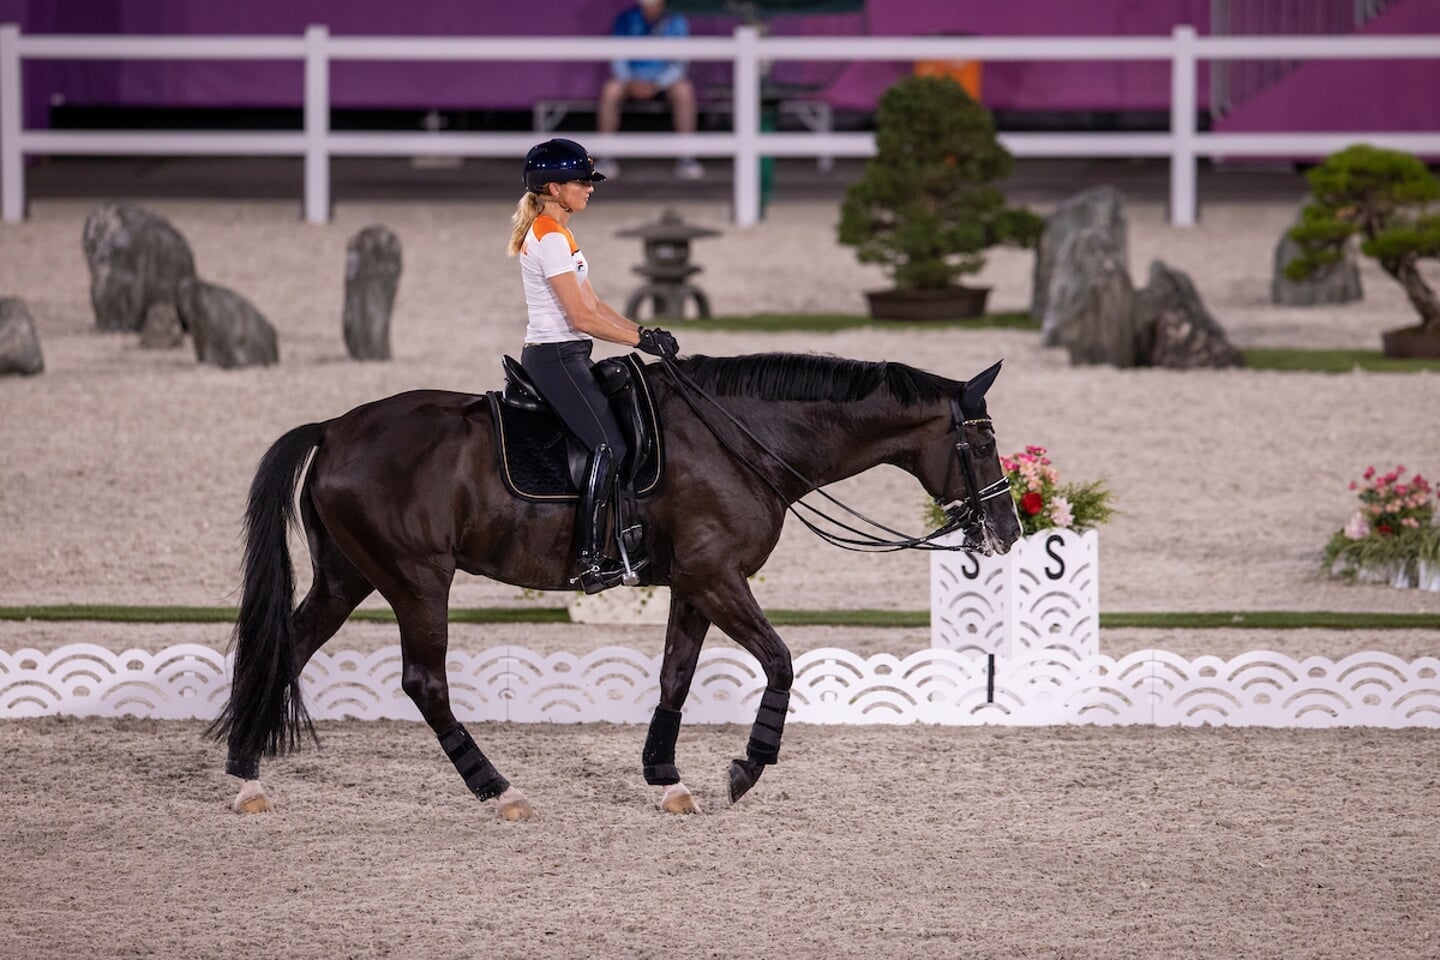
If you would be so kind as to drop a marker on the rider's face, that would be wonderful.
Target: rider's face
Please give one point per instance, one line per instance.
(574, 193)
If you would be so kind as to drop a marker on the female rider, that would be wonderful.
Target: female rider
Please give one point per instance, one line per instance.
(565, 317)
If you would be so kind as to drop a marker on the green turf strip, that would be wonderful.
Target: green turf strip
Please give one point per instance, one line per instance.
(1312, 361)
(836, 322)
(116, 614)
(1256, 620)
(1333, 361)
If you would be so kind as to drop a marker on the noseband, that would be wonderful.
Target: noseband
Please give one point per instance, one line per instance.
(969, 513)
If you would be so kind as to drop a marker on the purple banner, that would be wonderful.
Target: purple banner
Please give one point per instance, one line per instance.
(1347, 94)
(1334, 95)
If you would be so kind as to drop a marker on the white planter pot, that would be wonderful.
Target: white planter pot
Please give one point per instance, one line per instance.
(1396, 575)
(622, 605)
(1427, 576)
(1040, 599)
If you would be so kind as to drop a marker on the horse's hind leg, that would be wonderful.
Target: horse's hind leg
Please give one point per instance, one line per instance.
(336, 589)
(683, 637)
(422, 610)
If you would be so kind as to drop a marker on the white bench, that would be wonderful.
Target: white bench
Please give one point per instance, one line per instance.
(813, 115)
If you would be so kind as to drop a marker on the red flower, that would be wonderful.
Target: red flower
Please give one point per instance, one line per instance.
(1032, 503)
(1384, 529)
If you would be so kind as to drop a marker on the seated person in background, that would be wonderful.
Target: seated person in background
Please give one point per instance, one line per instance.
(647, 79)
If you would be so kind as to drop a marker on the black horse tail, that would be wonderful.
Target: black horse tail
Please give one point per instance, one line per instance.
(266, 714)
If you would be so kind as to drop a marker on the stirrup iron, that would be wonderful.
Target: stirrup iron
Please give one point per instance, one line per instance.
(631, 577)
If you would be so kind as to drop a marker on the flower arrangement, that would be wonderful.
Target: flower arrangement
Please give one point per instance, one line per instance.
(1043, 502)
(1392, 536)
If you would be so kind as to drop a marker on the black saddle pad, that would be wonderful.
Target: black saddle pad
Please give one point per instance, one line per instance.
(531, 443)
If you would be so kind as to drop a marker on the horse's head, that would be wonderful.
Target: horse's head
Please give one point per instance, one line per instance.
(964, 474)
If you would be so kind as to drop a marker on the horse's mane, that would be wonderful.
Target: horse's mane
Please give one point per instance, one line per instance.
(803, 376)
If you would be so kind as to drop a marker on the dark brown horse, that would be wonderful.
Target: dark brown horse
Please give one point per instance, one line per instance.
(404, 491)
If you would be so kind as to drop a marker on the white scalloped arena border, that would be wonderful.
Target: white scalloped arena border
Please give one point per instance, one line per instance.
(832, 686)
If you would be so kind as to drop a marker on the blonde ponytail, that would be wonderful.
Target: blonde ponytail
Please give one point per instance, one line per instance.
(526, 211)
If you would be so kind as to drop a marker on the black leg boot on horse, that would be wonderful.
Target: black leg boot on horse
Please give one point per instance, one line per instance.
(595, 571)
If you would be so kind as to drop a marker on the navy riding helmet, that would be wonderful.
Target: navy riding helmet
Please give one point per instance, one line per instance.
(558, 161)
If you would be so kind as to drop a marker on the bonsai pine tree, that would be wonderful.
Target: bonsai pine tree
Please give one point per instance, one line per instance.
(926, 207)
(1382, 196)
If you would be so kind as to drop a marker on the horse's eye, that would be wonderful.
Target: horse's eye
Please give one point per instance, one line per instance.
(986, 449)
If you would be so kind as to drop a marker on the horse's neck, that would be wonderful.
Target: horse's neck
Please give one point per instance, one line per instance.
(824, 441)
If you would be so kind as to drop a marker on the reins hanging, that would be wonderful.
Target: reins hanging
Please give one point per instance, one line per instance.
(863, 541)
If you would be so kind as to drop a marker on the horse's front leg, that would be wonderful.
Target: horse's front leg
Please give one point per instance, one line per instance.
(732, 607)
(683, 637)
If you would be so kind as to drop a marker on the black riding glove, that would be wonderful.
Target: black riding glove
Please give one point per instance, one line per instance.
(657, 342)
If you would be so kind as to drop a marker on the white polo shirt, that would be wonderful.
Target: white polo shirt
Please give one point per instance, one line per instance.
(549, 250)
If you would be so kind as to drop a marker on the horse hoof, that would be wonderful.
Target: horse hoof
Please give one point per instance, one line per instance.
(743, 774)
(677, 799)
(251, 799)
(513, 806)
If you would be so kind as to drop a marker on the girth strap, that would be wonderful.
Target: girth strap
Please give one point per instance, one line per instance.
(764, 745)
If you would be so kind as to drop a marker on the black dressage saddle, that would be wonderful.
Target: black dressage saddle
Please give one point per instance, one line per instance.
(542, 461)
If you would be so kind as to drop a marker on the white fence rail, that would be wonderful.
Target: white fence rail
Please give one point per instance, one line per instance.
(833, 686)
(747, 50)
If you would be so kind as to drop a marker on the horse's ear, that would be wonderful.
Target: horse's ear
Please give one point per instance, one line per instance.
(974, 390)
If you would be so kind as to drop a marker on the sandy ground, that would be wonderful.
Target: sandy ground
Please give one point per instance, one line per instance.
(864, 842)
(126, 469)
(122, 480)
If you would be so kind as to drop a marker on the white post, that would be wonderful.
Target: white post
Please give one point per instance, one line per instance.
(12, 158)
(1182, 128)
(317, 124)
(747, 126)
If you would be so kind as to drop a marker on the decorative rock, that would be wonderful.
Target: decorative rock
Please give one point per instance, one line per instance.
(136, 259)
(19, 344)
(1338, 283)
(1183, 335)
(1090, 306)
(1101, 208)
(162, 329)
(229, 332)
(372, 274)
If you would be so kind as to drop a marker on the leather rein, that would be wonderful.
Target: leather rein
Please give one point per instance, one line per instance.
(966, 514)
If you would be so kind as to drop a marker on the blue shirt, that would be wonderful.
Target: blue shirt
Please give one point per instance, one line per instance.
(662, 73)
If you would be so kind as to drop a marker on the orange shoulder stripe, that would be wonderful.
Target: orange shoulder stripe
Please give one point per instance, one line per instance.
(544, 225)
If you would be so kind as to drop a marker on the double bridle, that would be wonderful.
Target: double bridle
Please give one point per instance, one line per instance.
(967, 515)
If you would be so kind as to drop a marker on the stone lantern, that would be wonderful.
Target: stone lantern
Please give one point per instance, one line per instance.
(667, 267)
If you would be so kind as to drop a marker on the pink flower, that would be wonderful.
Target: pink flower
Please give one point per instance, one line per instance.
(1358, 528)
(1060, 513)
(1369, 472)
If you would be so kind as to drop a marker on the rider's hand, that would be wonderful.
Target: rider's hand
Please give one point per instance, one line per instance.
(657, 342)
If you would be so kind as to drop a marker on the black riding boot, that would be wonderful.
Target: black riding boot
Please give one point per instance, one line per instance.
(593, 570)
